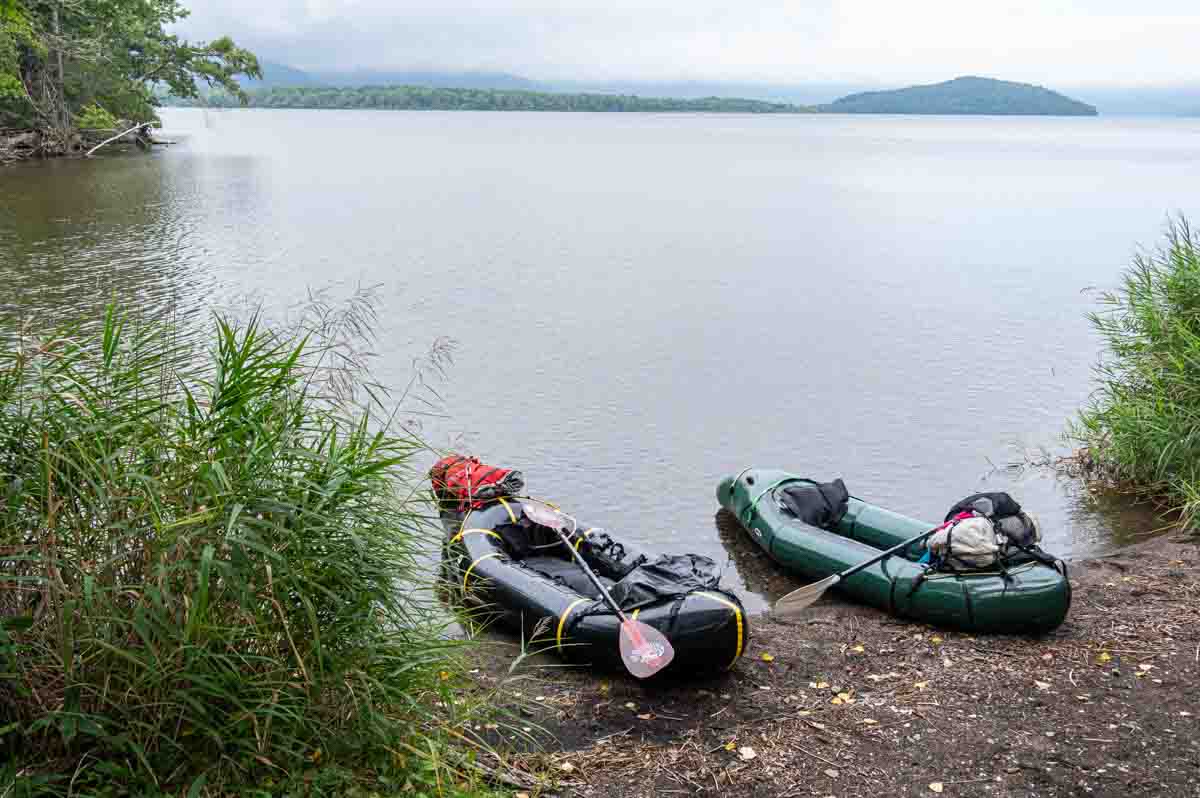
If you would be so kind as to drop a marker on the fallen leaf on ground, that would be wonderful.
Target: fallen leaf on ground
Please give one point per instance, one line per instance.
(630, 705)
(936, 786)
(935, 640)
(1103, 657)
(870, 721)
(647, 716)
(878, 677)
(921, 685)
(566, 767)
(831, 773)
(858, 649)
(767, 657)
(1042, 685)
(731, 746)
(822, 685)
(1145, 666)
(746, 753)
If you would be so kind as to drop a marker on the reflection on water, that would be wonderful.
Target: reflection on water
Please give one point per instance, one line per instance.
(76, 235)
(754, 575)
(644, 304)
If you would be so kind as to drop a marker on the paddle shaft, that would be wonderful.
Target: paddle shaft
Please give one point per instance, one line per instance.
(590, 574)
(883, 555)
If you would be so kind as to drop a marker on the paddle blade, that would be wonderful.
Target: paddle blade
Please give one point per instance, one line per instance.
(644, 649)
(799, 600)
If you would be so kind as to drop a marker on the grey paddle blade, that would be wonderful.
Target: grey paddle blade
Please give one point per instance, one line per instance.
(801, 599)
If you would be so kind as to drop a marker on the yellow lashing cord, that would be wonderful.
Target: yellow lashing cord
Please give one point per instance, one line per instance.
(467, 575)
(736, 614)
(511, 516)
(562, 621)
(459, 536)
(586, 532)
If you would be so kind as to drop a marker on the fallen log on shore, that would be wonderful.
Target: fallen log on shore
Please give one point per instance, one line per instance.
(23, 144)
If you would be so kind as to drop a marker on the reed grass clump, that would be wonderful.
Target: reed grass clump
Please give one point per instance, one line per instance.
(1141, 431)
(207, 571)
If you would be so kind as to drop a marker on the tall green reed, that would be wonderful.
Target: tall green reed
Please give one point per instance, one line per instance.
(207, 562)
(1142, 427)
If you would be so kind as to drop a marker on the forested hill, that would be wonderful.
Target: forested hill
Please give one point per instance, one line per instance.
(432, 99)
(966, 95)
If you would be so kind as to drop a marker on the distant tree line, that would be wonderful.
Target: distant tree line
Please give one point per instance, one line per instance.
(434, 99)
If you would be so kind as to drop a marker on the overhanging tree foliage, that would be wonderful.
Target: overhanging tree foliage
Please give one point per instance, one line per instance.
(59, 56)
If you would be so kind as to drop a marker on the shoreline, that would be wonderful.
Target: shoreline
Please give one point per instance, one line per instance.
(851, 701)
(21, 145)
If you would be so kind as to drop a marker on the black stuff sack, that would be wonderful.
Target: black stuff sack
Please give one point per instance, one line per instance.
(817, 504)
(1006, 515)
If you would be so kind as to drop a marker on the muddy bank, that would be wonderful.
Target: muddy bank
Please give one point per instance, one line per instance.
(851, 702)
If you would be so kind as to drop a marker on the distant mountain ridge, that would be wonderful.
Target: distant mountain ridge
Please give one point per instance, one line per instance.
(964, 95)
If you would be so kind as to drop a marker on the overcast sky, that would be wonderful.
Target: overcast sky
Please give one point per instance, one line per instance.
(1052, 42)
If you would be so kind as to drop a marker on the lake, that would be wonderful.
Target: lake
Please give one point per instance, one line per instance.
(642, 304)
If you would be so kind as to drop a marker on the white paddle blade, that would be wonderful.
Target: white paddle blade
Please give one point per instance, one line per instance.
(542, 515)
(644, 649)
(798, 601)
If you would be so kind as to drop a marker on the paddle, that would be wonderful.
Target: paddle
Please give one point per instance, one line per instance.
(801, 599)
(644, 650)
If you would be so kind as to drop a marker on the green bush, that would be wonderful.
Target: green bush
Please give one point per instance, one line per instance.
(207, 571)
(1143, 426)
(93, 117)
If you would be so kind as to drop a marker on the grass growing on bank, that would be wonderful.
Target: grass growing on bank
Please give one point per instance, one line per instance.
(1142, 429)
(206, 561)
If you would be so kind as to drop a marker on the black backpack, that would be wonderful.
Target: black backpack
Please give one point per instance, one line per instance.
(1005, 514)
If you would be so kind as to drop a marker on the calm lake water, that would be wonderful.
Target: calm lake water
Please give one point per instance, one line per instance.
(645, 303)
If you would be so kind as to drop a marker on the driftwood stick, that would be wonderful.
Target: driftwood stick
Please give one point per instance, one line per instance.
(118, 136)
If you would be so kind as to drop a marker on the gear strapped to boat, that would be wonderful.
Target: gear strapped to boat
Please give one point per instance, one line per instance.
(462, 483)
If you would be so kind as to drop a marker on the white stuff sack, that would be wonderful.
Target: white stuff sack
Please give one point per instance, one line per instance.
(971, 542)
